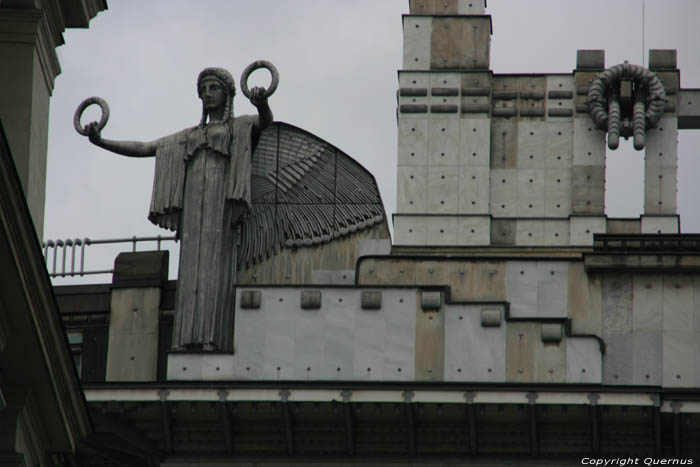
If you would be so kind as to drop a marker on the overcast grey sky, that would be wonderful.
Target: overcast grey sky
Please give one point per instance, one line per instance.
(337, 62)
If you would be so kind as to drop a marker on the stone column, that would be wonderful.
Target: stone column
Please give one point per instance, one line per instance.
(132, 353)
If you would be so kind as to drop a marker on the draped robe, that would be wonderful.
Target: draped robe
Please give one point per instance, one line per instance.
(201, 189)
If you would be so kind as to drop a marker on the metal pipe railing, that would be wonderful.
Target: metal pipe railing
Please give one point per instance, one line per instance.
(72, 244)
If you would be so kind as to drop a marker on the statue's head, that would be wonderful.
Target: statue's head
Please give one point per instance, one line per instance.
(216, 78)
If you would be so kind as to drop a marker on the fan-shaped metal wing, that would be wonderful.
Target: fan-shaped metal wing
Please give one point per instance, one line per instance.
(304, 192)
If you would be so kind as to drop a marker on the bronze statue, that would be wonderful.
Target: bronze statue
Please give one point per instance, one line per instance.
(201, 190)
(239, 190)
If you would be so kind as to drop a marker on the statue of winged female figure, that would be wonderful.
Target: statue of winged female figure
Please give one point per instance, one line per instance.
(237, 190)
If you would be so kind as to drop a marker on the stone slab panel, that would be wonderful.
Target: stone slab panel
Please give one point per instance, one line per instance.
(617, 302)
(479, 281)
(528, 359)
(585, 305)
(647, 308)
(560, 83)
(530, 196)
(588, 189)
(443, 142)
(552, 289)
(470, 7)
(412, 189)
(618, 359)
(521, 288)
(504, 143)
(474, 231)
(582, 228)
(473, 190)
(460, 43)
(532, 139)
(660, 224)
(474, 141)
(557, 192)
(678, 303)
(589, 143)
(413, 141)
(408, 79)
(503, 192)
(417, 31)
(680, 358)
(443, 190)
(646, 358)
(503, 231)
(410, 230)
(660, 190)
(584, 362)
(529, 232)
(441, 230)
(473, 352)
(559, 145)
(430, 345)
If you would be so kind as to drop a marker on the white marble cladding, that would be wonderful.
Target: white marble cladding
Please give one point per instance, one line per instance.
(442, 230)
(473, 352)
(339, 341)
(651, 327)
(582, 228)
(660, 225)
(542, 232)
(537, 289)
(416, 42)
(584, 361)
(661, 167)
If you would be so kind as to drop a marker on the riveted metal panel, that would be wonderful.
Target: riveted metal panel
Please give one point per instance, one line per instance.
(472, 352)
(529, 232)
(678, 302)
(474, 140)
(584, 362)
(521, 288)
(585, 307)
(589, 142)
(532, 137)
(530, 196)
(552, 289)
(473, 190)
(503, 192)
(416, 42)
(473, 230)
(413, 141)
(646, 358)
(443, 190)
(409, 230)
(441, 230)
(660, 224)
(617, 304)
(588, 189)
(618, 359)
(460, 43)
(581, 229)
(504, 143)
(443, 142)
(503, 231)
(647, 310)
(557, 193)
(680, 358)
(412, 189)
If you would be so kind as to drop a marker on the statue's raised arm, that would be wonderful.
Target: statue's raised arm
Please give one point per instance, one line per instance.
(201, 189)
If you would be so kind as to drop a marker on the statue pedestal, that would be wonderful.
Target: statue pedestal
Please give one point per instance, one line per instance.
(200, 366)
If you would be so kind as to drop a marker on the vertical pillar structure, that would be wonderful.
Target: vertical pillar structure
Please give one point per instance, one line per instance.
(588, 169)
(661, 152)
(132, 353)
(29, 34)
(444, 106)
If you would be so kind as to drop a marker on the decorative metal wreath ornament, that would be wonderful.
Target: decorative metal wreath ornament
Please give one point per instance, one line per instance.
(649, 99)
(81, 108)
(254, 66)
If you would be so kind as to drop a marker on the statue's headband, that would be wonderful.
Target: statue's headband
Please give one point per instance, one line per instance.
(222, 75)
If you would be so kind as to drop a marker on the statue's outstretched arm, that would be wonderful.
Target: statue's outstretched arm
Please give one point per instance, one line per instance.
(125, 148)
(258, 99)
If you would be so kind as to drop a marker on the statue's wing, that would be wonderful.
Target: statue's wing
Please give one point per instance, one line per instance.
(304, 192)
